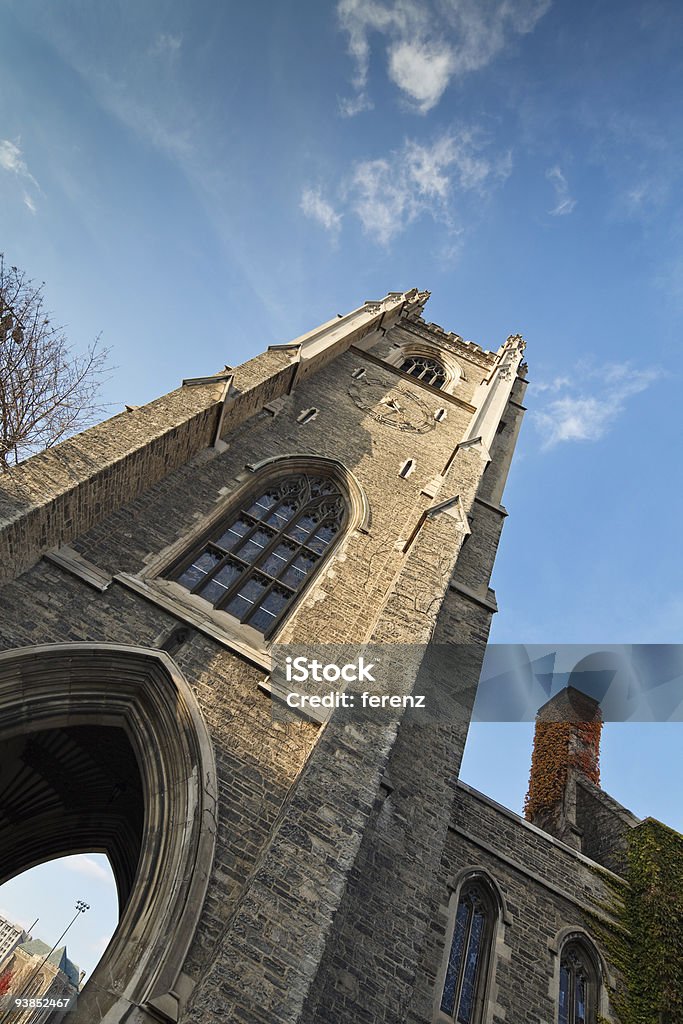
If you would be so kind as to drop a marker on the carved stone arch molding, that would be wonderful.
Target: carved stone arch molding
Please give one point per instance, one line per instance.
(476, 873)
(134, 700)
(604, 978)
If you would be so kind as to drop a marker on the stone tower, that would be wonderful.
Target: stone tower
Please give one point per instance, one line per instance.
(344, 488)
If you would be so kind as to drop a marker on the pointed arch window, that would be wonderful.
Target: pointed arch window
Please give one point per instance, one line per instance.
(425, 369)
(258, 560)
(464, 990)
(578, 986)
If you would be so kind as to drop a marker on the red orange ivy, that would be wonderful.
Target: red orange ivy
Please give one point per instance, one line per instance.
(551, 760)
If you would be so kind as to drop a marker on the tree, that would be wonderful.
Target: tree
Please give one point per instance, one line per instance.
(47, 392)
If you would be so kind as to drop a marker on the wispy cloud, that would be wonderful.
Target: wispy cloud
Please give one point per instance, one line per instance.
(12, 160)
(389, 193)
(166, 45)
(319, 210)
(586, 415)
(428, 42)
(88, 867)
(564, 203)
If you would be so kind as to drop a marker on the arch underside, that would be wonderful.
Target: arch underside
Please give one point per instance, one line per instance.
(105, 748)
(71, 790)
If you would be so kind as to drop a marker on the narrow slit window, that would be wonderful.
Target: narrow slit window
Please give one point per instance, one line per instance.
(258, 561)
(307, 415)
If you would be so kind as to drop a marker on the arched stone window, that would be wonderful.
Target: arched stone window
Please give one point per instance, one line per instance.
(578, 995)
(259, 558)
(425, 369)
(464, 989)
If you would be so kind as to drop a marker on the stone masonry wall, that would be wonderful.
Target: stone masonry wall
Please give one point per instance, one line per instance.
(548, 890)
(56, 495)
(604, 825)
(300, 838)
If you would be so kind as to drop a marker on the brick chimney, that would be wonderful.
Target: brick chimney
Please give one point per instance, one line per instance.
(566, 747)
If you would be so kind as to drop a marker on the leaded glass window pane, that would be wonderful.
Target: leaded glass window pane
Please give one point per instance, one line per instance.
(462, 993)
(455, 958)
(428, 370)
(564, 996)
(195, 573)
(234, 534)
(578, 987)
(219, 585)
(469, 981)
(259, 559)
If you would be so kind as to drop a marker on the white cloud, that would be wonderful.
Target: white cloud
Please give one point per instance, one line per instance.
(581, 416)
(84, 865)
(564, 203)
(12, 161)
(11, 158)
(556, 384)
(349, 106)
(387, 194)
(428, 42)
(318, 209)
(422, 71)
(166, 45)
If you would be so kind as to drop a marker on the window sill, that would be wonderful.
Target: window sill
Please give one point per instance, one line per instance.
(220, 626)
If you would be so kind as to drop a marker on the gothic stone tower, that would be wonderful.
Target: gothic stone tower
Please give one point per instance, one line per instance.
(320, 492)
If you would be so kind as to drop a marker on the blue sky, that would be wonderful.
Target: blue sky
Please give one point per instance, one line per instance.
(198, 181)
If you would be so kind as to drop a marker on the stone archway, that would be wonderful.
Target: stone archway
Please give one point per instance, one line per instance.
(105, 748)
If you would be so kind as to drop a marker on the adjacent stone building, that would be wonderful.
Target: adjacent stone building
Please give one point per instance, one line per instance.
(345, 489)
(43, 978)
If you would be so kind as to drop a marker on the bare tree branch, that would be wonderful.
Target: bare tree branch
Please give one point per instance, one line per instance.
(47, 392)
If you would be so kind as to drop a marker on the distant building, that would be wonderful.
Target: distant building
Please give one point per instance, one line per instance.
(35, 974)
(11, 935)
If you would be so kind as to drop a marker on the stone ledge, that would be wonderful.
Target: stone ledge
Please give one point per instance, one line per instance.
(500, 509)
(318, 715)
(489, 602)
(66, 558)
(170, 603)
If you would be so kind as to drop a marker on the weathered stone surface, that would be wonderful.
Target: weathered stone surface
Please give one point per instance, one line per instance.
(335, 847)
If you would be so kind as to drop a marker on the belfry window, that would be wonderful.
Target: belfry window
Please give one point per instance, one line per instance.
(428, 370)
(578, 987)
(462, 1000)
(259, 559)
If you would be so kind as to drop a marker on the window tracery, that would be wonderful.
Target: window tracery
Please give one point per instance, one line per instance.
(463, 993)
(260, 557)
(425, 369)
(578, 986)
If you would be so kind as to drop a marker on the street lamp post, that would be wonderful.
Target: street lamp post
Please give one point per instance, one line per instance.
(81, 908)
